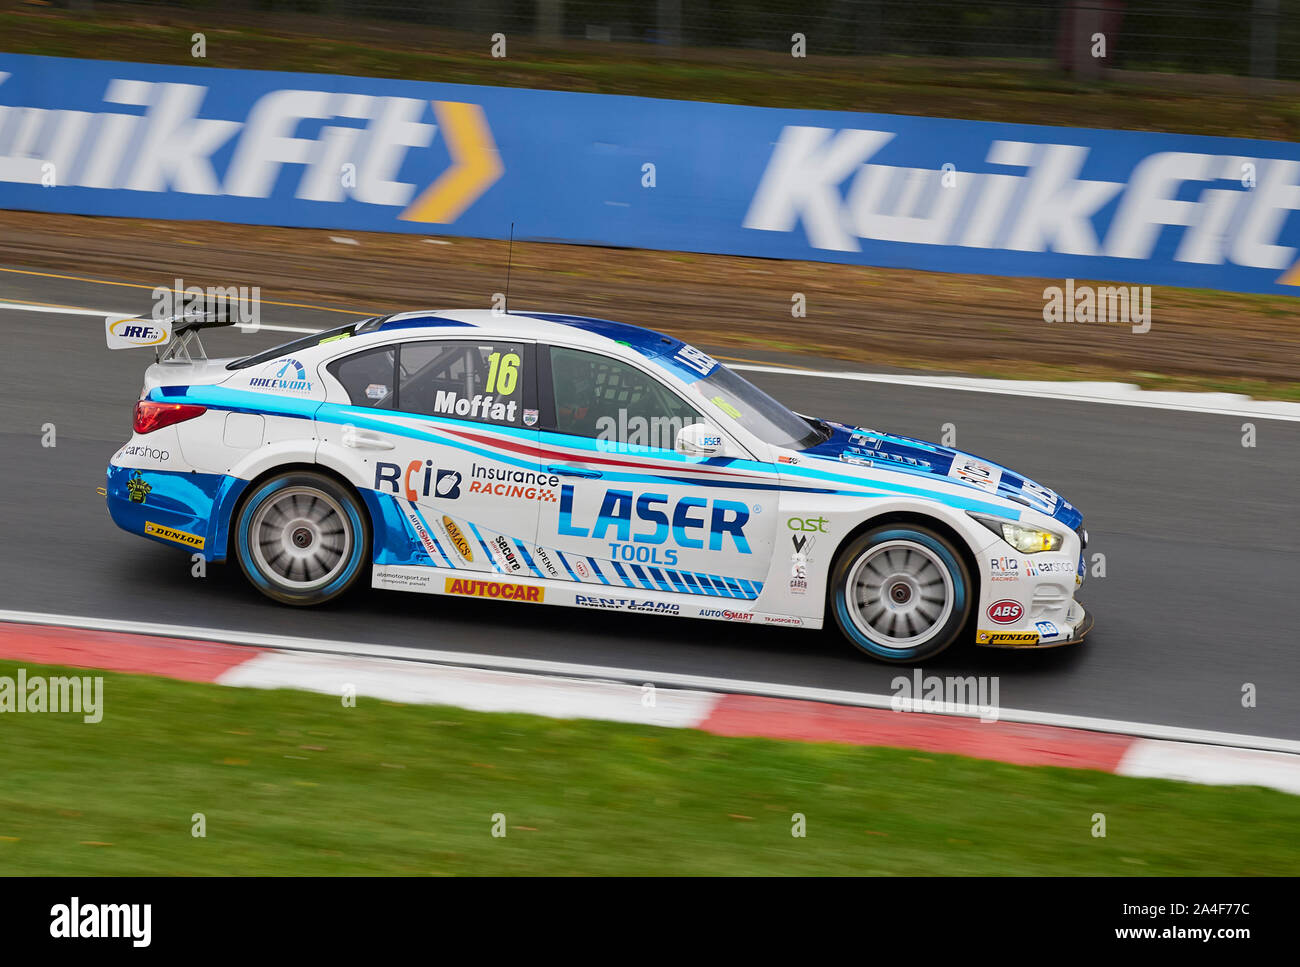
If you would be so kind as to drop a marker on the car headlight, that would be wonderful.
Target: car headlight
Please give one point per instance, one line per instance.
(1027, 540)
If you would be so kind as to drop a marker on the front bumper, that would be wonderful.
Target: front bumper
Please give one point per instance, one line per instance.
(991, 639)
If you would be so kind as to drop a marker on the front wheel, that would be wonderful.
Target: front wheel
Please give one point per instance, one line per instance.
(901, 593)
(301, 538)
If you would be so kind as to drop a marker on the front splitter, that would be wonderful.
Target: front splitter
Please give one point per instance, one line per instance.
(1080, 632)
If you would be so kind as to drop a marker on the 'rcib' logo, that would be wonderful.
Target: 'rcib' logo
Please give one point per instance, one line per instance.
(414, 483)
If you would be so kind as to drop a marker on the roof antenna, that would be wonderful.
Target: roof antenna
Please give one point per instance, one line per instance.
(509, 255)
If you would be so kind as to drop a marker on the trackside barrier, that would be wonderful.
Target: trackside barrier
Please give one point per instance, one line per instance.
(326, 151)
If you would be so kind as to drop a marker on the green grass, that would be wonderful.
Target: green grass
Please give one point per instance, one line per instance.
(292, 782)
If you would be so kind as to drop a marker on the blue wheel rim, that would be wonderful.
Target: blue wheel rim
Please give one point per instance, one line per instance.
(879, 648)
(350, 561)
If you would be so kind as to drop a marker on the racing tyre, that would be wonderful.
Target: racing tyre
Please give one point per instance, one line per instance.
(901, 593)
(301, 538)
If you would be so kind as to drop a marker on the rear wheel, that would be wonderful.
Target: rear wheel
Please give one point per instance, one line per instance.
(302, 538)
(901, 593)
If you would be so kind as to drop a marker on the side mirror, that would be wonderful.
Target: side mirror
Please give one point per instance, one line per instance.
(699, 440)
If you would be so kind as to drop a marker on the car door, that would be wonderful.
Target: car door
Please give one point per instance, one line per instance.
(444, 450)
(632, 512)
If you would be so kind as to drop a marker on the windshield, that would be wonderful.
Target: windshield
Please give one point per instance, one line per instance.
(757, 412)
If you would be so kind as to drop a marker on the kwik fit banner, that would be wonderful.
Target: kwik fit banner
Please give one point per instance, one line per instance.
(261, 147)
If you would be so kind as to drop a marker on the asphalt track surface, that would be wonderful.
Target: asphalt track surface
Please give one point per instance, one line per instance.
(1199, 533)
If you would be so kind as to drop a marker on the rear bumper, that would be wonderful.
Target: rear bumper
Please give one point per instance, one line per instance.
(176, 508)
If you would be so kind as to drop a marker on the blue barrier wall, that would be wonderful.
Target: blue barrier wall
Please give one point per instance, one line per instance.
(326, 151)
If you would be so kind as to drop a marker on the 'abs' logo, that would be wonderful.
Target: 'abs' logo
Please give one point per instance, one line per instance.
(1006, 611)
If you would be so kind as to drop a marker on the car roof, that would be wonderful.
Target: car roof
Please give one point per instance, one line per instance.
(536, 325)
(614, 338)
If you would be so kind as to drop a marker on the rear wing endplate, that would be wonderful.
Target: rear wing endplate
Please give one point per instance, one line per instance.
(176, 333)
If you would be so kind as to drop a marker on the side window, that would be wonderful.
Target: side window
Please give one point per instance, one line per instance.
(479, 381)
(369, 377)
(609, 400)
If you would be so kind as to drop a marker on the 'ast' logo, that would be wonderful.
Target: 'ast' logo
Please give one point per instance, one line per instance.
(457, 539)
(1006, 611)
(810, 525)
(494, 589)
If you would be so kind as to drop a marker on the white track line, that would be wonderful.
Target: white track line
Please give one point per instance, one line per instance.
(1115, 394)
(637, 676)
(56, 310)
(68, 311)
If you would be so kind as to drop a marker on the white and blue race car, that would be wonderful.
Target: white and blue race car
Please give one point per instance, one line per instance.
(556, 459)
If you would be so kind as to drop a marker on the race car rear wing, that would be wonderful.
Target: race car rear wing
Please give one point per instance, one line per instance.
(176, 333)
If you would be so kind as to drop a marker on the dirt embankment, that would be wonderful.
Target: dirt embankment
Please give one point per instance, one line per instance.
(981, 325)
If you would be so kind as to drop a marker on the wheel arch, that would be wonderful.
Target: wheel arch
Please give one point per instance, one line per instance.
(294, 467)
(935, 523)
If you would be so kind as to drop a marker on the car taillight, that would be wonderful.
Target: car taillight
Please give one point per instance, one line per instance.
(150, 416)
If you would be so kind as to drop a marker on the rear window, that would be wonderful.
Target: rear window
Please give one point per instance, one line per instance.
(297, 346)
(369, 377)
